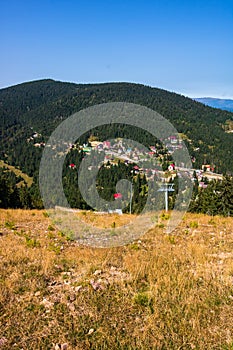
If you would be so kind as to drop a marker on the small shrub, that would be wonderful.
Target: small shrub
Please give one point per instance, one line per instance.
(50, 235)
(144, 300)
(141, 299)
(10, 225)
(212, 221)
(165, 216)
(54, 248)
(32, 242)
(134, 246)
(70, 235)
(193, 224)
(171, 239)
(61, 234)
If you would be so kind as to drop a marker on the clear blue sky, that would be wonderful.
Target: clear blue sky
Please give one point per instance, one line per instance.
(184, 46)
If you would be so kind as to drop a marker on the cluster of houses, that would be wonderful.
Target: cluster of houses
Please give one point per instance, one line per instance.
(33, 138)
(131, 153)
(173, 143)
(121, 149)
(146, 161)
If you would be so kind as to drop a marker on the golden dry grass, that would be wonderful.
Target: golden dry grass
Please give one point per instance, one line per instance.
(104, 220)
(160, 292)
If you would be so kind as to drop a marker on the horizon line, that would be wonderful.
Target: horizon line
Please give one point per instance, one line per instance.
(189, 95)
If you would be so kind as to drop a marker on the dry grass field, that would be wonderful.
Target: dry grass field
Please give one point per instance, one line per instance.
(160, 292)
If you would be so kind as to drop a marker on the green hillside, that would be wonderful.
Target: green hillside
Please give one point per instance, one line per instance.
(38, 107)
(28, 180)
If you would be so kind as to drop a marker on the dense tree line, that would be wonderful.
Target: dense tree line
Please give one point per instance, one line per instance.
(215, 199)
(14, 192)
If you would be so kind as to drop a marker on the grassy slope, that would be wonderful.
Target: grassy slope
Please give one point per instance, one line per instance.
(162, 292)
(17, 172)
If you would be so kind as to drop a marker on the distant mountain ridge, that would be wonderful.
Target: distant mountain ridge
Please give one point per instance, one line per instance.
(225, 104)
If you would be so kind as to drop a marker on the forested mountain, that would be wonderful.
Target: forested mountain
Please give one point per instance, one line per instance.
(221, 103)
(39, 106)
(29, 112)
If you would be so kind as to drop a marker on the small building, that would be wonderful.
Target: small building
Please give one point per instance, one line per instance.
(87, 149)
(202, 184)
(171, 167)
(106, 144)
(117, 195)
(206, 167)
(96, 144)
(72, 166)
(173, 139)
